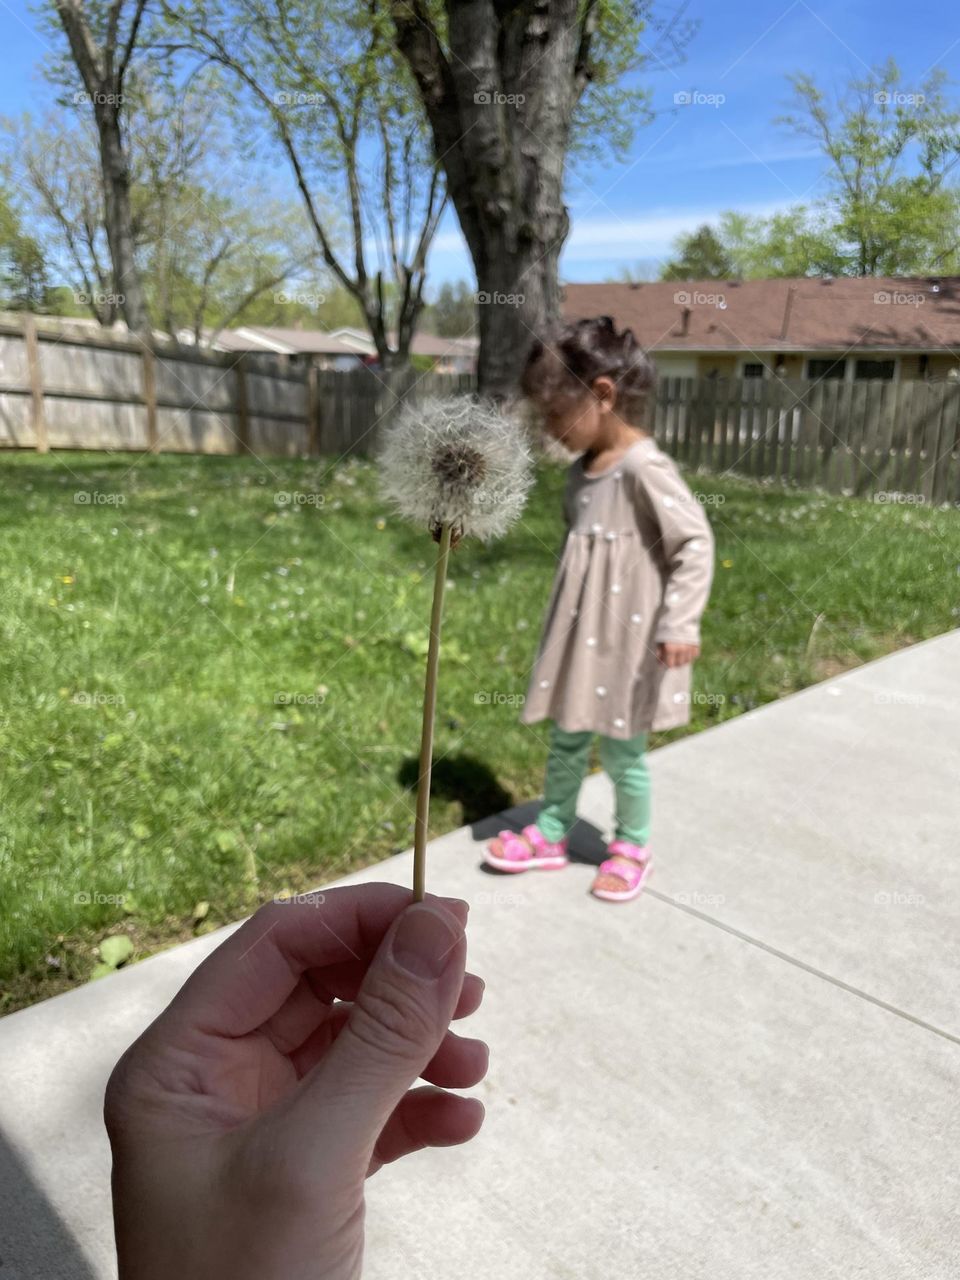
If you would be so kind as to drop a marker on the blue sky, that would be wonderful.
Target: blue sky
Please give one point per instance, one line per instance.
(691, 162)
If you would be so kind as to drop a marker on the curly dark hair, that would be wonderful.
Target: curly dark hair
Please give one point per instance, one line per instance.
(568, 361)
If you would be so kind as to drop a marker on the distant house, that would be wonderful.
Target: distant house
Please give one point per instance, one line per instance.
(347, 348)
(844, 327)
(450, 355)
(331, 351)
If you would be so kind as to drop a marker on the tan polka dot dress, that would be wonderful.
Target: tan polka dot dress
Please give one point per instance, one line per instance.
(636, 569)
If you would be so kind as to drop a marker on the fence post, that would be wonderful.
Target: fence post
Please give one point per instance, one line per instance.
(39, 418)
(150, 393)
(313, 409)
(243, 411)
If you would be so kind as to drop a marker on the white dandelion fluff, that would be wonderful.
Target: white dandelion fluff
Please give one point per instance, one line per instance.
(457, 467)
(457, 462)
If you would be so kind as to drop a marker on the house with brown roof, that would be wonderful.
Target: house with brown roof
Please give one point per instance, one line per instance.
(830, 327)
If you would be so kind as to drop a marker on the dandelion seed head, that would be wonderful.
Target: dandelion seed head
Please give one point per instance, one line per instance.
(456, 461)
(459, 464)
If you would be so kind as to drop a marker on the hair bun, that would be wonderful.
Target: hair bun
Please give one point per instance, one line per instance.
(578, 353)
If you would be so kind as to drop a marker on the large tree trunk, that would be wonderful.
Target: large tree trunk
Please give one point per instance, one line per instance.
(500, 107)
(518, 295)
(119, 222)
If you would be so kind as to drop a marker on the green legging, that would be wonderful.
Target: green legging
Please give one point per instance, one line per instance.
(624, 761)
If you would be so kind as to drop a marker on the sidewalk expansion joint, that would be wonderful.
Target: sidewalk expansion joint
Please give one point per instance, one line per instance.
(802, 964)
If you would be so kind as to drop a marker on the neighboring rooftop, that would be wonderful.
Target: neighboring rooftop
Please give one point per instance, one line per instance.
(804, 314)
(344, 341)
(289, 341)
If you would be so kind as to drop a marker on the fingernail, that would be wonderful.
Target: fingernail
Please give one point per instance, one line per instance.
(458, 907)
(424, 942)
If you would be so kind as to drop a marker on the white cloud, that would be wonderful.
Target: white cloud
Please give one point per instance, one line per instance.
(742, 159)
(610, 238)
(606, 238)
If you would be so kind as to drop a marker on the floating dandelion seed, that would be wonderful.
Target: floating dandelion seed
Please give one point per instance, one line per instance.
(458, 468)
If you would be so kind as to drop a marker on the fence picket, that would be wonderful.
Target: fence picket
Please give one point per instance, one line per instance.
(866, 439)
(767, 395)
(812, 408)
(708, 421)
(857, 472)
(887, 413)
(947, 453)
(915, 417)
(899, 437)
(686, 415)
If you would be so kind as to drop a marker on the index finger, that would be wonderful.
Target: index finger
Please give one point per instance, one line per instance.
(250, 975)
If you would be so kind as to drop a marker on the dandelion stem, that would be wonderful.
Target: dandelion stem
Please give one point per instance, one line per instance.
(429, 715)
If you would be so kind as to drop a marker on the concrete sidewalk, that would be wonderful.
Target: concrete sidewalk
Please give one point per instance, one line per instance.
(749, 1074)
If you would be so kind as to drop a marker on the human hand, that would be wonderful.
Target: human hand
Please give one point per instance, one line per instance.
(670, 654)
(246, 1118)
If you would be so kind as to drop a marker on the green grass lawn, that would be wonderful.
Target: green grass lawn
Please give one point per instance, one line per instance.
(211, 694)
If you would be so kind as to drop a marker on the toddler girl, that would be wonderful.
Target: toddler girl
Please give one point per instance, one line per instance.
(623, 621)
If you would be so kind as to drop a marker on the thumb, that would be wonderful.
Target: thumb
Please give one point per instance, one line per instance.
(399, 1018)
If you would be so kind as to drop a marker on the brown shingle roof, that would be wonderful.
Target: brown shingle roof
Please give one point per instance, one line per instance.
(779, 315)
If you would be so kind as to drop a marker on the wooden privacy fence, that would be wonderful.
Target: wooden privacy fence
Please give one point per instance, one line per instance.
(66, 386)
(865, 437)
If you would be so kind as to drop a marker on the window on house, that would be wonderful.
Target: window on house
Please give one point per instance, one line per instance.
(753, 370)
(817, 368)
(874, 369)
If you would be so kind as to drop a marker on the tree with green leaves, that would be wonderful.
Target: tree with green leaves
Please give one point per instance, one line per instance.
(325, 80)
(205, 256)
(890, 208)
(890, 148)
(699, 256)
(796, 242)
(58, 175)
(210, 250)
(453, 314)
(23, 273)
(799, 241)
(509, 88)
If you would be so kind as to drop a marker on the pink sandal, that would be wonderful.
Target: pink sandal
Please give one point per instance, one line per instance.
(634, 877)
(528, 850)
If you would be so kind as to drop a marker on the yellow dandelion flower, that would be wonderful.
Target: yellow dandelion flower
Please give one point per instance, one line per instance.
(727, 564)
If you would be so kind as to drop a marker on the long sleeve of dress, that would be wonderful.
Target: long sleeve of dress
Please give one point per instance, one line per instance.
(686, 546)
(567, 510)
